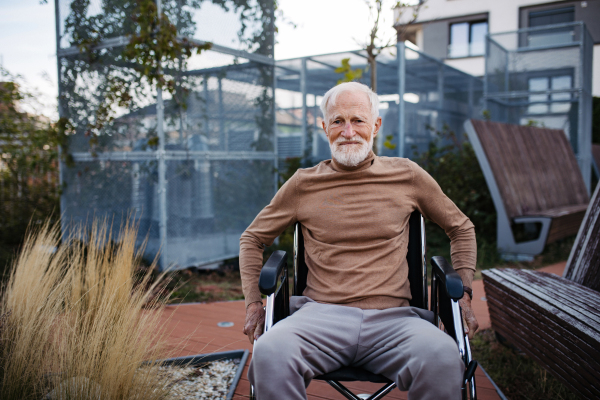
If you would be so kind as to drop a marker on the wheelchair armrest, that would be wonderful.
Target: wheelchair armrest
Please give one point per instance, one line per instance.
(267, 282)
(448, 277)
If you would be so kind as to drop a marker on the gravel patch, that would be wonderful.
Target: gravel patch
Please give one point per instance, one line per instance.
(210, 381)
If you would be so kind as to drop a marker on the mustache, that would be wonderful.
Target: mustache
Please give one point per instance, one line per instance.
(353, 139)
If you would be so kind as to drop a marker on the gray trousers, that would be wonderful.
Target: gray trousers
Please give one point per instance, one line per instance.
(398, 343)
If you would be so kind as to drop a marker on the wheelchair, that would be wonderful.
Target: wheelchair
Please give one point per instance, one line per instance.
(446, 290)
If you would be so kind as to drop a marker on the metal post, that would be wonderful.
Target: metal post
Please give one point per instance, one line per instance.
(275, 148)
(315, 130)
(470, 97)
(162, 170)
(440, 89)
(304, 108)
(583, 148)
(222, 132)
(485, 73)
(206, 106)
(61, 165)
(401, 89)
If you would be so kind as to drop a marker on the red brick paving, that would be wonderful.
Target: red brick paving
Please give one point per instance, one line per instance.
(194, 330)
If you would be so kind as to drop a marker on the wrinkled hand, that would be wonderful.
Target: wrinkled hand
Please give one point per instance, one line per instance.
(255, 321)
(469, 321)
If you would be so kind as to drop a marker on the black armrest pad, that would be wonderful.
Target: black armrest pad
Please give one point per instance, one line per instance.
(267, 283)
(448, 277)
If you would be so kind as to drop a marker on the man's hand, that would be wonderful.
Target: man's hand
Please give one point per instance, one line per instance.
(255, 321)
(469, 321)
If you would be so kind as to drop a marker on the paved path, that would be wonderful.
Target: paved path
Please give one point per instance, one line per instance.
(194, 330)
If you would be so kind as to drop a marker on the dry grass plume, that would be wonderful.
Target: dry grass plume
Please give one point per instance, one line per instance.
(74, 321)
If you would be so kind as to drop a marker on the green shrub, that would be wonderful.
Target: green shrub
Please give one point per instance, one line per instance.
(454, 166)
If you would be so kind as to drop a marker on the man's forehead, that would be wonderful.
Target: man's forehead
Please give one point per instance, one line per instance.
(351, 100)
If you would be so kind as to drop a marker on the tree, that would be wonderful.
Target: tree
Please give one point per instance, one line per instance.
(29, 189)
(101, 83)
(375, 43)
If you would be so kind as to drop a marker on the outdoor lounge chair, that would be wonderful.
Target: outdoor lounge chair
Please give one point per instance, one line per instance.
(446, 289)
(555, 320)
(535, 183)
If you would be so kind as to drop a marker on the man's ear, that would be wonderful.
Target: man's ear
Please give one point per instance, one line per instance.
(377, 126)
(324, 129)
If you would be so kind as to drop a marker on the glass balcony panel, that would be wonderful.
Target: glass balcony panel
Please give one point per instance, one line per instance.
(561, 83)
(553, 37)
(538, 85)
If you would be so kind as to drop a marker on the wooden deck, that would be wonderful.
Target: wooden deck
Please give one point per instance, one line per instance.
(194, 330)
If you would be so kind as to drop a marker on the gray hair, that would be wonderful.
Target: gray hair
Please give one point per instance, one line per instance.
(332, 94)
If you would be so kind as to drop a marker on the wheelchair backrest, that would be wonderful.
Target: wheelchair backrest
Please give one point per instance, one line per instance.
(417, 268)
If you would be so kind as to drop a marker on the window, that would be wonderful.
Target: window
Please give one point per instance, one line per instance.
(545, 103)
(551, 17)
(554, 36)
(467, 39)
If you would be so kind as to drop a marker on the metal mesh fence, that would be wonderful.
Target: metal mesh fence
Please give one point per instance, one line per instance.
(237, 24)
(194, 167)
(435, 97)
(542, 76)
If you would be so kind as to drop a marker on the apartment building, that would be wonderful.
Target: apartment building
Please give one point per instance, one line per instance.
(455, 30)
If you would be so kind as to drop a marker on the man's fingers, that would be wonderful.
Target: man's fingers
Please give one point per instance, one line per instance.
(469, 320)
(255, 320)
(473, 326)
(249, 330)
(472, 323)
(258, 330)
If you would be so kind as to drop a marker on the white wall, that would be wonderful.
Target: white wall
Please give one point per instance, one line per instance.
(504, 14)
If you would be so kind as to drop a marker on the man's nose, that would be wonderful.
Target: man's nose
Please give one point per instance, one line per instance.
(348, 132)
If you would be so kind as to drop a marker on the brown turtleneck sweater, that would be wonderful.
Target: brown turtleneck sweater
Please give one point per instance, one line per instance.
(355, 226)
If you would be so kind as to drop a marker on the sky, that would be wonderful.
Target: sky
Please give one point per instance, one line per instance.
(28, 37)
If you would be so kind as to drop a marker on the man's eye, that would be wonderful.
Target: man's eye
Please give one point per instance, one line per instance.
(337, 121)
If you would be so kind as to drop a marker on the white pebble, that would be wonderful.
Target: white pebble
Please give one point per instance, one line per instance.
(212, 382)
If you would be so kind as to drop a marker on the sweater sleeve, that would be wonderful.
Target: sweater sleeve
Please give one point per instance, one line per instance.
(437, 207)
(268, 224)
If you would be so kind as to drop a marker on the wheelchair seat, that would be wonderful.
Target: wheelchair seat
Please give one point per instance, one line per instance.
(446, 290)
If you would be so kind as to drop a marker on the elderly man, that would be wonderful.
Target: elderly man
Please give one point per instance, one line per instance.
(354, 210)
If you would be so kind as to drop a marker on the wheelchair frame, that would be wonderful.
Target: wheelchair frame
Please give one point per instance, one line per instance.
(446, 290)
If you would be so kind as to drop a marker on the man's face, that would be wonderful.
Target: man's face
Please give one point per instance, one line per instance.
(350, 127)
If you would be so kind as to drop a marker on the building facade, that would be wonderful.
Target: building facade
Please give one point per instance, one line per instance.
(455, 30)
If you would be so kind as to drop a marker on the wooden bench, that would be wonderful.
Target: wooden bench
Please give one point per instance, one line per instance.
(535, 183)
(556, 320)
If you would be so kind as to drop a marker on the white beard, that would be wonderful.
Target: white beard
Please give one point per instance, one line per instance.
(353, 154)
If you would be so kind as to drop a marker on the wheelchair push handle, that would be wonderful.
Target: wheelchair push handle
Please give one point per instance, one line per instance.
(267, 282)
(448, 278)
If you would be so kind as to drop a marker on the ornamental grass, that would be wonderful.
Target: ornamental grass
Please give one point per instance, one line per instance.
(78, 322)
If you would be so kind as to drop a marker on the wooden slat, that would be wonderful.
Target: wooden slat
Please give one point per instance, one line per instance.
(535, 168)
(559, 211)
(565, 340)
(554, 320)
(583, 265)
(564, 225)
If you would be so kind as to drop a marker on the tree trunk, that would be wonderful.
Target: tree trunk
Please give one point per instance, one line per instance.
(373, 66)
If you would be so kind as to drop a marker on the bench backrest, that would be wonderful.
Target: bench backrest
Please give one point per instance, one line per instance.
(583, 265)
(535, 168)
